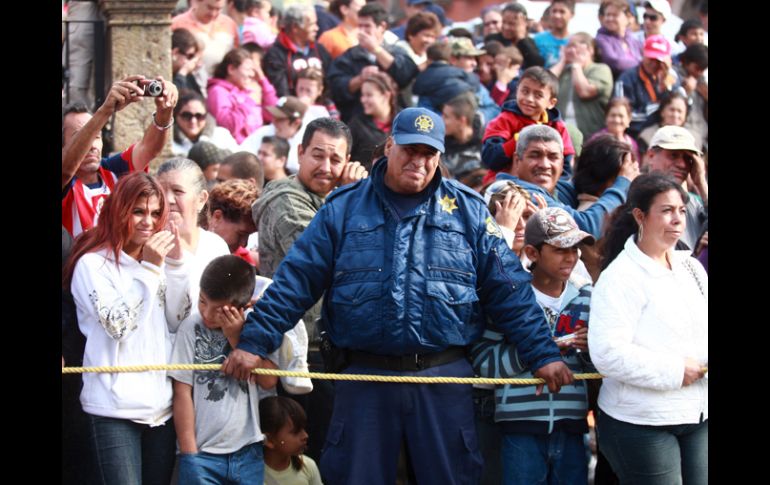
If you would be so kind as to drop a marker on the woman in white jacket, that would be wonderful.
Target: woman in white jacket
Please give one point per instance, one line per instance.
(649, 338)
(130, 288)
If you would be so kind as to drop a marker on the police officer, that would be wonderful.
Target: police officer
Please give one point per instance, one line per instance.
(412, 265)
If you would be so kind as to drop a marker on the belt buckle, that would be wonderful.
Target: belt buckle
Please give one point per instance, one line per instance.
(419, 363)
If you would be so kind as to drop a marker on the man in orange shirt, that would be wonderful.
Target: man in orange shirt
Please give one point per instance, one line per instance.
(345, 35)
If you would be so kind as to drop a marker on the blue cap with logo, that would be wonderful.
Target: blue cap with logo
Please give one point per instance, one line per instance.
(419, 126)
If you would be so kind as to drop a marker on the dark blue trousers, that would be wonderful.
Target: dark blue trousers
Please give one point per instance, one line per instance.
(372, 419)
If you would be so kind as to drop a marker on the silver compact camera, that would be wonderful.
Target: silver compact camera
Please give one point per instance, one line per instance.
(154, 88)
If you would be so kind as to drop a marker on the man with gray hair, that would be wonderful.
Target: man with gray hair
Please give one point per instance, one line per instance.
(294, 49)
(673, 151)
(538, 163)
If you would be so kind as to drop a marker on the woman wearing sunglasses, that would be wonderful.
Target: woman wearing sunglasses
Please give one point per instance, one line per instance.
(192, 124)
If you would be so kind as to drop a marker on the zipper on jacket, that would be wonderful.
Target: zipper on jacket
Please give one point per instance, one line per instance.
(502, 270)
(356, 270)
(451, 270)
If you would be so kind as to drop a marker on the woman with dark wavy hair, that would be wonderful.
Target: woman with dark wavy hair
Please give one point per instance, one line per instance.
(649, 338)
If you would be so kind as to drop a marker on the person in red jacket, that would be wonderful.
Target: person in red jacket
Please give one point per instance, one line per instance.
(535, 103)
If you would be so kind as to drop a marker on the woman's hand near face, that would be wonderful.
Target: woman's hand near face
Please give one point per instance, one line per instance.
(509, 210)
(157, 247)
(176, 251)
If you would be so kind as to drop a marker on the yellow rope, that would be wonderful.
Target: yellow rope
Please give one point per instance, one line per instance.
(318, 375)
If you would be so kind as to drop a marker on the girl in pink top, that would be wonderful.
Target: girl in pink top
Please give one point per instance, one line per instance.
(238, 94)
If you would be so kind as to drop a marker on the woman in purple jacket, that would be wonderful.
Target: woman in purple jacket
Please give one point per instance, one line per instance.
(619, 49)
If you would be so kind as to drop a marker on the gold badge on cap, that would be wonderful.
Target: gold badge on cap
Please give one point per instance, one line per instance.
(423, 123)
(447, 204)
(492, 228)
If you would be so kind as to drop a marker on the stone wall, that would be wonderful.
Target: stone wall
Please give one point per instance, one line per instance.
(138, 42)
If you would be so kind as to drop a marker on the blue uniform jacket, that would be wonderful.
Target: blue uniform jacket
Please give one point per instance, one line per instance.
(419, 284)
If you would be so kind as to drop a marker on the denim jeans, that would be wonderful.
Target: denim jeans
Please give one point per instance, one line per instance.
(128, 453)
(659, 455)
(489, 435)
(245, 466)
(530, 459)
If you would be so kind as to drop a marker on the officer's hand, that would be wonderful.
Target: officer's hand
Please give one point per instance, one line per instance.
(556, 374)
(353, 172)
(240, 363)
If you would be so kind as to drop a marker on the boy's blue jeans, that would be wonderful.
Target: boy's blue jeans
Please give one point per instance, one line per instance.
(245, 466)
(659, 455)
(531, 459)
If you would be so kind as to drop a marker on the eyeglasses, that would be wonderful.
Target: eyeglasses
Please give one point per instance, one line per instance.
(187, 116)
(651, 16)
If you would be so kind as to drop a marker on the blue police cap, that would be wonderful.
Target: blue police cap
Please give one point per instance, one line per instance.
(419, 125)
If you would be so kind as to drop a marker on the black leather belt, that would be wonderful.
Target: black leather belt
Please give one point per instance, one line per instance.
(410, 362)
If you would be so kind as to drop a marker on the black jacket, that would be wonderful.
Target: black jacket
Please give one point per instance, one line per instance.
(366, 137)
(351, 63)
(527, 47)
(283, 61)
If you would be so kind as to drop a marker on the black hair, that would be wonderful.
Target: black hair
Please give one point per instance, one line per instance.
(687, 26)
(253, 47)
(374, 11)
(460, 32)
(335, 7)
(570, 4)
(280, 145)
(697, 53)
(76, 107)
(275, 412)
(330, 126)
(543, 76)
(598, 163)
(245, 165)
(621, 223)
(229, 278)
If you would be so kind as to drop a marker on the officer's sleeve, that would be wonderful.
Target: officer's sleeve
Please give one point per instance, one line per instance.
(507, 297)
(298, 283)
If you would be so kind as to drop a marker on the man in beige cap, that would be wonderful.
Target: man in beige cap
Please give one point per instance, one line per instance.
(673, 151)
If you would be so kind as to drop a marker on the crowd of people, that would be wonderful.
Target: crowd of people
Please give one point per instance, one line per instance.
(353, 191)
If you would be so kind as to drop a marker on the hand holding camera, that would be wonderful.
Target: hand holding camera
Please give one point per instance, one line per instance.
(152, 88)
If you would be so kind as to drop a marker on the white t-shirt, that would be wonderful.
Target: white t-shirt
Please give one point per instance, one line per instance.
(551, 305)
